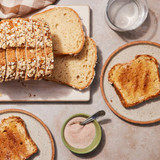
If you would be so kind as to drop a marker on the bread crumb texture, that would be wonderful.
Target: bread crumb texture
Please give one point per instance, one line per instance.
(77, 71)
(66, 29)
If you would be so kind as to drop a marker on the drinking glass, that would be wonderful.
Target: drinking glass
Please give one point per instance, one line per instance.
(126, 15)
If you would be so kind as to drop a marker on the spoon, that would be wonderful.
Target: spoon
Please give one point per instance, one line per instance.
(93, 117)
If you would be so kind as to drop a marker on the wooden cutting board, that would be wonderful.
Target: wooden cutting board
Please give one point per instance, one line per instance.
(43, 90)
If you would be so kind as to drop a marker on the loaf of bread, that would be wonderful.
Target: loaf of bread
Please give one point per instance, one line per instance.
(25, 50)
(66, 29)
(15, 142)
(78, 70)
(136, 81)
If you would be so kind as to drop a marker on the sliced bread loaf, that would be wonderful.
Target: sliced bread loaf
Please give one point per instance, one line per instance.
(66, 29)
(25, 50)
(48, 49)
(77, 71)
(15, 142)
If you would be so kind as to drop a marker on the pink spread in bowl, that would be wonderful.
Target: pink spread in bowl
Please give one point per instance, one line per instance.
(78, 138)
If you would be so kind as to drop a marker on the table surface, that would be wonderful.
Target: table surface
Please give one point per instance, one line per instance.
(120, 140)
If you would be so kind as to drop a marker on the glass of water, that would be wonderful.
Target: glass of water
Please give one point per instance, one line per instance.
(126, 15)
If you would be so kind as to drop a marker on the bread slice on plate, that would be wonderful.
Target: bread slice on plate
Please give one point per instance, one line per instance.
(66, 29)
(15, 142)
(76, 71)
(136, 81)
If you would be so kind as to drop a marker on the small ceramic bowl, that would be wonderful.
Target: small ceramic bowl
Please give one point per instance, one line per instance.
(95, 141)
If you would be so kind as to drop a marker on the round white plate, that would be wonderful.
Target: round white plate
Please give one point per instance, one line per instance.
(38, 131)
(144, 113)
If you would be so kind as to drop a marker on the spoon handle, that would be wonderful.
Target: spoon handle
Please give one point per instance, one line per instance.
(93, 117)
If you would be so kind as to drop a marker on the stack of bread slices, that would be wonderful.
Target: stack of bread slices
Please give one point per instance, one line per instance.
(75, 54)
(25, 50)
(27, 47)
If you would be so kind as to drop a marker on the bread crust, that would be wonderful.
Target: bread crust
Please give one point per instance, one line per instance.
(79, 21)
(122, 98)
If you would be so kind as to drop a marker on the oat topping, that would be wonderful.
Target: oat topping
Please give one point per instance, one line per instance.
(27, 45)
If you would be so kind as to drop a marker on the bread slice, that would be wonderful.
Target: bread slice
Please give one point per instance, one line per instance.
(136, 81)
(66, 29)
(15, 142)
(30, 50)
(11, 50)
(20, 49)
(40, 54)
(76, 71)
(2, 52)
(48, 49)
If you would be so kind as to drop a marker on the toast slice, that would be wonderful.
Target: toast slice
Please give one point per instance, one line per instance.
(30, 50)
(15, 142)
(2, 52)
(40, 54)
(11, 44)
(66, 29)
(136, 81)
(20, 49)
(76, 71)
(48, 49)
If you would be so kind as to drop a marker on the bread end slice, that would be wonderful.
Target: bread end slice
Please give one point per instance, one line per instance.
(136, 81)
(15, 142)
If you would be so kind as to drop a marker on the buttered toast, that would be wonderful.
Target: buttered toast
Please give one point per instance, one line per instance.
(15, 142)
(136, 81)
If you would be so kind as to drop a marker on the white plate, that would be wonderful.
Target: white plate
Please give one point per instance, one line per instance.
(144, 113)
(38, 132)
(43, 90)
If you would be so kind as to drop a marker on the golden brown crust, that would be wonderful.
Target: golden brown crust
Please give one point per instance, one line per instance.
(79, 21)
(12, 141)
(140, 79)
